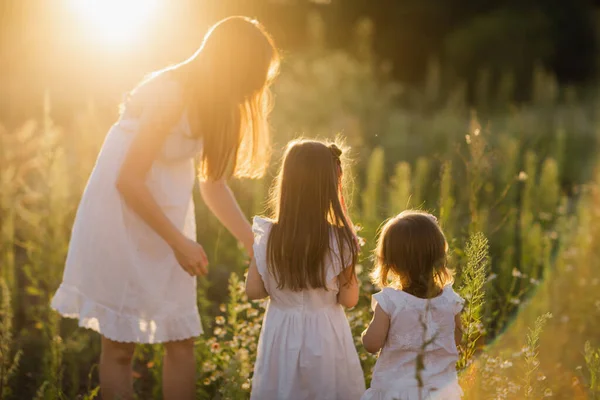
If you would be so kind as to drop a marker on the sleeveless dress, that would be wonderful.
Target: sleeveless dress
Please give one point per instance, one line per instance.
(121, 279)
(305, 350)
(394, 375)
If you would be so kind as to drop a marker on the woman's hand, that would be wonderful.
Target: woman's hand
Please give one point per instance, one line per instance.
(191, 257)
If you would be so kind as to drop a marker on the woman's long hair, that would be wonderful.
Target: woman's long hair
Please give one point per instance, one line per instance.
(227, 98)
(309, 217)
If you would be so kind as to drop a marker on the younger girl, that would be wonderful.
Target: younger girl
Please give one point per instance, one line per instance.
(416, 314)
(304, 260)
(133, 259)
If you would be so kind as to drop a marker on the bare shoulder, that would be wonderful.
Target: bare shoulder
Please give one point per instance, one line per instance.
(160, 95)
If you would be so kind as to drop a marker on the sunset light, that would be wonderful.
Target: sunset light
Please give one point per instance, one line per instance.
(115, 21)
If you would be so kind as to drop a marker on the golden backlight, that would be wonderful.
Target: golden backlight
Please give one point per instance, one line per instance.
(116, 22)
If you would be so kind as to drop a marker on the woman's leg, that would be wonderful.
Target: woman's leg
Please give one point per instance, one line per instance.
(179, 370)
(115, 370)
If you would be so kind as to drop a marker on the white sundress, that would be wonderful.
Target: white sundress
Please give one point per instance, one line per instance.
(305, 350)
(121, 279)
(394, 375)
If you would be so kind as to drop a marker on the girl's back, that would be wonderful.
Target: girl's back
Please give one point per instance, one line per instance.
(306, 350)
(308, 300)
(417, 327)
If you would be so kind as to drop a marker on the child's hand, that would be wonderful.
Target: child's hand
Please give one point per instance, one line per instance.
(191, 257)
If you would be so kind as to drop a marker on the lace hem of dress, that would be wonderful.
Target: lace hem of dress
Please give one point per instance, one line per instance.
(71, 303)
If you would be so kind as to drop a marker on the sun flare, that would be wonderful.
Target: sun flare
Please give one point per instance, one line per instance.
(115, 21)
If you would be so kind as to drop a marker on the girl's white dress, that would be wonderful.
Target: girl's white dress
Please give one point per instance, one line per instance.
(394, 376)
(305, 350)
(121, 279)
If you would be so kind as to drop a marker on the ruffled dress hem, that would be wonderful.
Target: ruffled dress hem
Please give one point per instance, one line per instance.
(71, 303)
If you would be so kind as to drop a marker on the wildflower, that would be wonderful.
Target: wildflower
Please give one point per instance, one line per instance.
(206, 382)
(523, 176)
(358, 268)
(541, 377)
(215, 347)
(245, 386)
(516, 273)
(515, 301)
(243, 354)
(477, 131)
(222, 308)
(534, 281)
(252, 312)
(208, 366)
(506, 364)
(220, 320)
(220, 332)
(548, 393)
(491, 277)
(468, 139)
(361, 241)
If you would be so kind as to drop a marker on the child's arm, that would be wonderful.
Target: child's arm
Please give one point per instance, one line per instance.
(374, 337)
(221, 202)
(458, 331)
(348, 294)
(255, 287)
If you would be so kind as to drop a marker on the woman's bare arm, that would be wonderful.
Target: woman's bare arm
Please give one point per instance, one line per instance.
(220, 200)
(157, 122)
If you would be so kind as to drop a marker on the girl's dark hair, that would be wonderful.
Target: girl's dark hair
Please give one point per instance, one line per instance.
(308, 206)
(411, 255)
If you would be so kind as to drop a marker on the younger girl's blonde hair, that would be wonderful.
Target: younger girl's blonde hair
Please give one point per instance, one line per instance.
(411, 255)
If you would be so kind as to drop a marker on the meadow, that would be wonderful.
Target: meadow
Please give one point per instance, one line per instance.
(514, 185)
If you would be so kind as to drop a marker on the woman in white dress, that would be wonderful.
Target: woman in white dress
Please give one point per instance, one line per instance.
(304, 261)
(416, 323)
(133, 257)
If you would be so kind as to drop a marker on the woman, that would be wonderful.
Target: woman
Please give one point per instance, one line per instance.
(133, 258)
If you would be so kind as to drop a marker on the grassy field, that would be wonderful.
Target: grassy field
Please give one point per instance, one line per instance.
(514, 187)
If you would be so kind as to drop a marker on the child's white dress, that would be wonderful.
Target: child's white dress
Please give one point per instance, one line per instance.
(121, 279)
(305, 350)
(394, 376)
